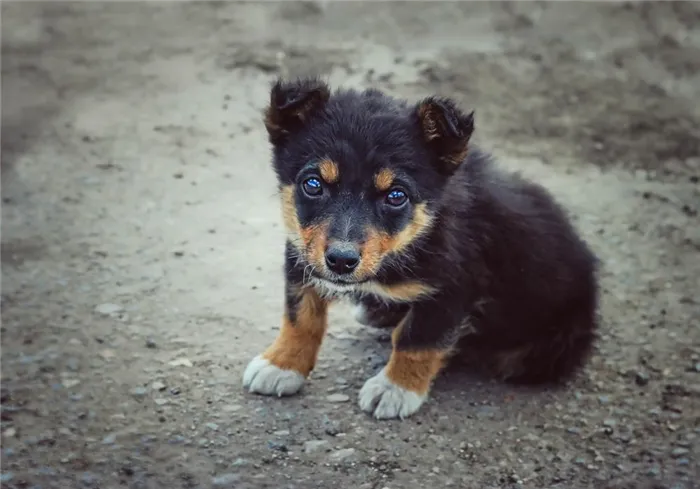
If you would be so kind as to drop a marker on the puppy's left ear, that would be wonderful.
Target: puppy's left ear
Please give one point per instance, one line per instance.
(446, 130)
(292, 104)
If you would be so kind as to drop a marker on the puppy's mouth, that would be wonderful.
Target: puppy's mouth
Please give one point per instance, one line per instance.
(337, 280)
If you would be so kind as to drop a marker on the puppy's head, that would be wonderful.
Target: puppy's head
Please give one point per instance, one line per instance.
(360, 173)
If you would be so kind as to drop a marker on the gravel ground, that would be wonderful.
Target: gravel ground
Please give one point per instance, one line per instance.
(142, 245)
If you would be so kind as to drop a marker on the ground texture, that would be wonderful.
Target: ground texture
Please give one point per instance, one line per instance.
(142, 246)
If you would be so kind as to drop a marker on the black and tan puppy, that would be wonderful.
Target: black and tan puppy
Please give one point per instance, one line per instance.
(385, 203)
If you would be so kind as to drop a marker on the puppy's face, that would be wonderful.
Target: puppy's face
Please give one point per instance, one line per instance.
(360, 173)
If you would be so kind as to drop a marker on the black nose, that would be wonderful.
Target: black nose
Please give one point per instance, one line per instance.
(342, 258)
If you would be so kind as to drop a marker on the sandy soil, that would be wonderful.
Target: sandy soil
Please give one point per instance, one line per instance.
(142, 247)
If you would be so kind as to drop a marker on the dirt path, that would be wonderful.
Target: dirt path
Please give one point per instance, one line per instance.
(141, 243)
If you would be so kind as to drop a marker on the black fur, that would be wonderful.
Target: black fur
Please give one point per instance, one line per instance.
(513, 282)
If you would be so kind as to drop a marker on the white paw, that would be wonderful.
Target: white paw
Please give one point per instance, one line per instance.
(264, 378)
(359, 312)
(387, 400)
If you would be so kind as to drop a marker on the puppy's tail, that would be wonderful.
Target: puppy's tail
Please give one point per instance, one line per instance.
(548, 359)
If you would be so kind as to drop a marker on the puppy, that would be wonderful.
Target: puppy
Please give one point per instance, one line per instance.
(387, 204)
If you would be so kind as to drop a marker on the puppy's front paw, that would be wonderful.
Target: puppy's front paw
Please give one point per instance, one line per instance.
(264, 378)
(387, 400)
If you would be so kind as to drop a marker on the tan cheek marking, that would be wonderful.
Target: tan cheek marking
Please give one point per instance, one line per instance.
(414, 370)
(329, 171)
(384, 179)
(419, 224)
(378, 243)
(297, 345)
(406, 291)
(289, 210)
(314, 239)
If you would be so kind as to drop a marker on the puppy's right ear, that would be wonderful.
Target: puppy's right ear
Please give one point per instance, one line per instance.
(292, 104)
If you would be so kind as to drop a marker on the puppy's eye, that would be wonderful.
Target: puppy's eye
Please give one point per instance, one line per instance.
(312, 187)
(396, 198)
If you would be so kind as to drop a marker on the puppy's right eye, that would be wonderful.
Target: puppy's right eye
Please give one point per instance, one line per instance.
(312, 186)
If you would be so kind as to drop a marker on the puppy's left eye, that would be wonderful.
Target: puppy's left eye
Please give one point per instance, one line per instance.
(312, 186)
(396, 198)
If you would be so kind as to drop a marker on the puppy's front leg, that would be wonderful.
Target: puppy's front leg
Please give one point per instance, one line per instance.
(282, 368)
(421, 345)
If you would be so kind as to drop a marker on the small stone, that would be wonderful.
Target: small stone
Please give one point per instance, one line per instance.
(604, 399)
(88, 479)
(108, 309)
(610, 423)
(281, 433)
(139, 392)
(73, 364)
(573, 430)
(212, 426)
(341, 381)
(277, 446)
(158, 386)
(108, 354)
(180, 362)
(343, 455)
(641, 378)
(338, 398)
(68, 383)
(697, 367)
(654, 471)
(109, 439)
(225, 480)
(9, 432)
(314, 446)
(232, 408)
(6, 476)
(683, 462)
(679, 452)
(151, 344)
(160, 401)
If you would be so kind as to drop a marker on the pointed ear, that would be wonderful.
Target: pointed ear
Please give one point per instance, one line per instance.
(446, 131)
(291, 104)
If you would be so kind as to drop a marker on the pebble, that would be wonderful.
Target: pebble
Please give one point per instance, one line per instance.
(573, 430)
(6, 476)
(108, 309)
(225, 480)
(88, 479)
(679, 452)
(611, 423)
(314, 446)
(151, 344)
(604, 399)
(641, 378)
(212, 426)
(338, 398)
(73, 364)
(139, 392)
(683, 462)
(68, 383)
(343, 381)
(343, 455)
(9, 432)
(158, 386)
(180, 362)
(277, 446)
(160, 401)
(109, 439)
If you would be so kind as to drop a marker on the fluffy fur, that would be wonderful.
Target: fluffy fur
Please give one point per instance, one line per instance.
(386, 203)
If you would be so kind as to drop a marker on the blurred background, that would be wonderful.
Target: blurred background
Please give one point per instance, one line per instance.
(142, 246)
